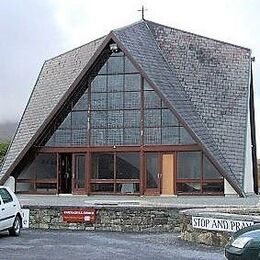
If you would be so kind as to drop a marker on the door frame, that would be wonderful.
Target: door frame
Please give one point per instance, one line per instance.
(157, 190)
(59, 173)
(76, 190)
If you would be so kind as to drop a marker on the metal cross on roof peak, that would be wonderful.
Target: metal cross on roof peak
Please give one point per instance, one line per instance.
(142, 10)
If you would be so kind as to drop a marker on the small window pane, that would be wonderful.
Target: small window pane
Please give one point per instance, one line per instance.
(99, 119)
(115, 136)
(213, 187)
(152, 135)
(185, 137)
(27, 172)
(209, 170)
(102, 187)
(115, 100)
(99, 84)
(132, 82)
(99, 136)
(132, 136)
(82, 103)
(129, 67)
(22, 187)
(127, 165)
(152, 118)
(63, 137)
(46, 166)
(115, 83)
(189, 165)
(151, 163)
(170, 135)
(128, 188)
(132, 100)
(99, 101)
(103, 70)
(188, 187)
(51, 141)
(168, 118)
(147, 86)
(102, 166)
(116, 65)
(132, 118)
(80, 171)
(151, 100)
(79, 119)
(66, 122)
(79, 136)
(115, 119)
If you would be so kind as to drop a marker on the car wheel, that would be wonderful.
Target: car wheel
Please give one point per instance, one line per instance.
(16, 228)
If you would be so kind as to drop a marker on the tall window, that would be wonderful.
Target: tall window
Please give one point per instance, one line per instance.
(116, 109)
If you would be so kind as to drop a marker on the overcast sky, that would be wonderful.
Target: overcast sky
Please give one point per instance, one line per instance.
(35, 30)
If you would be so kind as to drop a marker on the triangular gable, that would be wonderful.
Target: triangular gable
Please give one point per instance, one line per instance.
(140, 47)
(138, 43)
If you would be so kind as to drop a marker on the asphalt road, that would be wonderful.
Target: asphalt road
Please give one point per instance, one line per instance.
(74, 245)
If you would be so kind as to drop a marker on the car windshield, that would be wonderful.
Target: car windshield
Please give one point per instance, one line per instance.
(253, 234)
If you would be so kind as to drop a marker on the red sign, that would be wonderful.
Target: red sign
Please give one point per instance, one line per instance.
(79, 215)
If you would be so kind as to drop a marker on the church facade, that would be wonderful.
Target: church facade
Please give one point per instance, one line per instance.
(145, 110)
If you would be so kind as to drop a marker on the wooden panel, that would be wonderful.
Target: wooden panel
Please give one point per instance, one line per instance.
(167, 174)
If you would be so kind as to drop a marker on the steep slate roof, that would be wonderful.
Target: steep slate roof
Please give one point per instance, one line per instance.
(204, 81)
(140, 42)
(215, 75)
(54, 80)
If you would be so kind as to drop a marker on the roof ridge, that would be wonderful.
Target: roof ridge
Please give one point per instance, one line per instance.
(129, 25)
(199, 35)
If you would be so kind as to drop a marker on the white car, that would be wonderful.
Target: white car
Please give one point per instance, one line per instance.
(10, 212)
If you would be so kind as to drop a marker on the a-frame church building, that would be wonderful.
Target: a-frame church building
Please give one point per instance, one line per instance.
(145, 110)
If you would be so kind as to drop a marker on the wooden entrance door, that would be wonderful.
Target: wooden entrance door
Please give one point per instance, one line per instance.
(168, 174)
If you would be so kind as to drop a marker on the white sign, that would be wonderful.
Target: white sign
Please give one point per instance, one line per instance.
(219, 224)
(25, 216)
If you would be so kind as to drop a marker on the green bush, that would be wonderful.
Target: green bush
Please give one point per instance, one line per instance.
(3, 150)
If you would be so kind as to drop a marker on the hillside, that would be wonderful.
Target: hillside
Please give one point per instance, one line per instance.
(7, 130)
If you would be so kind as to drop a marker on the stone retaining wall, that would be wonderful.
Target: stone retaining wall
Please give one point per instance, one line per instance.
(124, 219)
(211, 237)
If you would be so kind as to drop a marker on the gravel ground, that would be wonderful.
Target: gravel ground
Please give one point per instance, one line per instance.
(41, 245)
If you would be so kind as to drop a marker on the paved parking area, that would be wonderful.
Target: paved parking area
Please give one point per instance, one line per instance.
(42, 245)
(148, 201)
